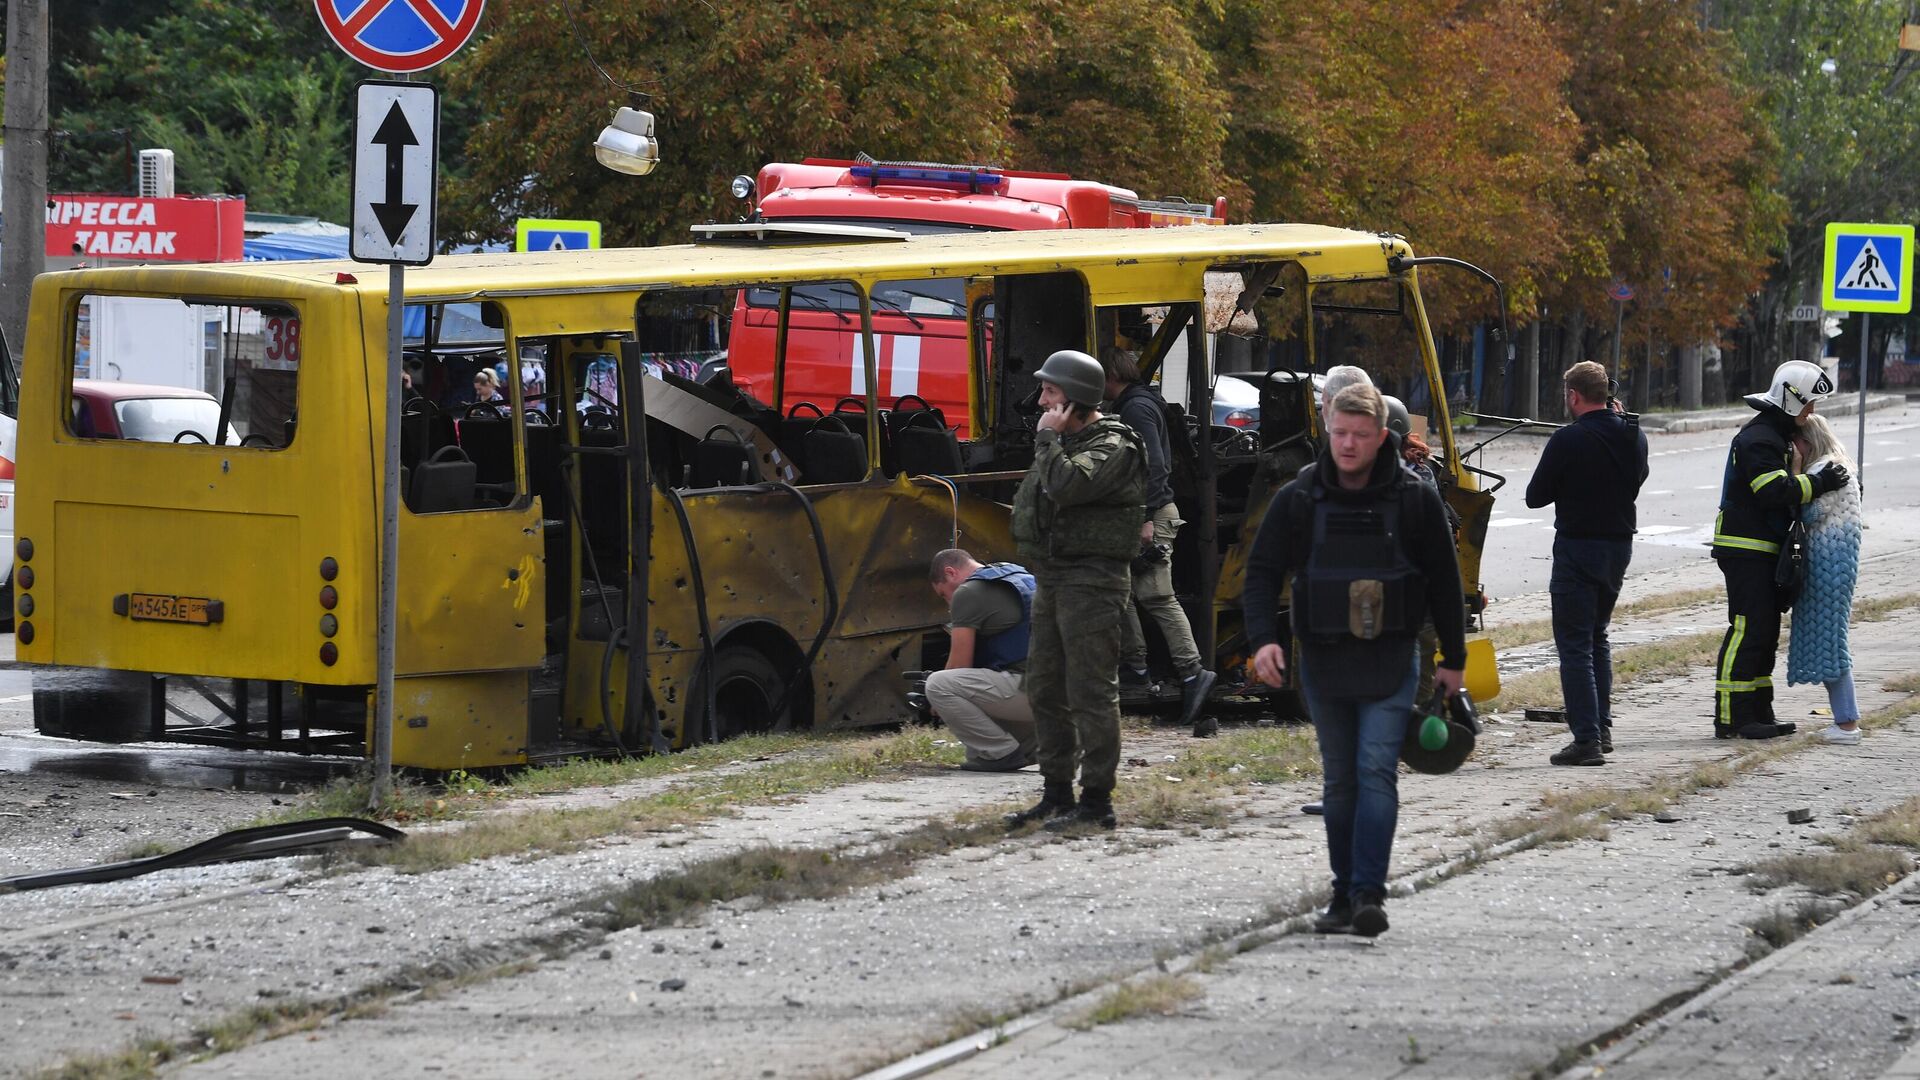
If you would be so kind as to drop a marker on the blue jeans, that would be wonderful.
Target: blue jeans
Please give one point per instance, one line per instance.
(1586, 582)
(1846, 708)
(1360, 758)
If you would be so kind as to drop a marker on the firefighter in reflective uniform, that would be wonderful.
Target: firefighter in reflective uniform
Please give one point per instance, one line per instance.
(1759, 497)
(1076, 519)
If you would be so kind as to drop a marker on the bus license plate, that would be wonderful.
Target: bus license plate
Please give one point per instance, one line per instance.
(157, 607)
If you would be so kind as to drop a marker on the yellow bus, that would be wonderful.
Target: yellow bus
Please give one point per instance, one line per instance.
(620, 514)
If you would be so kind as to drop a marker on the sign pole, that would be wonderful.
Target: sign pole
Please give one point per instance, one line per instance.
(382, 786)
(1860, 458)
(1619, 319)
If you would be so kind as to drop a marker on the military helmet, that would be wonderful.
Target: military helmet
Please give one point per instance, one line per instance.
(1796, 384)
(1449, 736)
(1078, 375)
(1399, 421)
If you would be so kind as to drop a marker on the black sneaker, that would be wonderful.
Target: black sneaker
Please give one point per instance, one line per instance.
(1370, 914)
(1761, 729)
(1337, 919)
(1051, 804)
(1579, 753)
(1087, 814)
(1314, 809)
(1134, 680)
(1193, 698)
(1606, 738)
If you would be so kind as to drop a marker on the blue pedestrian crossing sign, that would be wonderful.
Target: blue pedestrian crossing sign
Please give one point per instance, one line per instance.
(1868, 268)
(555, 234)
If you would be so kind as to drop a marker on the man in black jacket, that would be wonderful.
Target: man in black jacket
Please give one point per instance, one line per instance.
(1760, 496)
(1143, 410)
(1367, 548)
(1591, 471)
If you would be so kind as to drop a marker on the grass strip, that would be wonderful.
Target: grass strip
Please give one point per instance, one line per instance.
(1537, 631)
(1632, 664)
(1160, 994)
(697, 798)
(782, 874)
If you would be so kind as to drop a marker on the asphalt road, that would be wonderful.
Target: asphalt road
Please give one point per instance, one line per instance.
(1682, 493)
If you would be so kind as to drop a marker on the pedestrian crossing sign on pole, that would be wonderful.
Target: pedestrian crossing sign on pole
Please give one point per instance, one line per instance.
(1868, 268)
(555, 234)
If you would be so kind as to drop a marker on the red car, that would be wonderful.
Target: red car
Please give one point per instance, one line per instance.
(122, 410)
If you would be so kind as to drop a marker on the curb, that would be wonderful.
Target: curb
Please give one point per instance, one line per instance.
(1681, 424)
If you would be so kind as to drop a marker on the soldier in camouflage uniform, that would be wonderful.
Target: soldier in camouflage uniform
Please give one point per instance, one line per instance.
(1076, 519)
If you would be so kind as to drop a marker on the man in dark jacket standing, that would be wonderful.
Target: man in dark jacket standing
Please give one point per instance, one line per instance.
(1760, 497)
(1143, 410)
(1367, 546)
(1591, 472)
(1076, 519)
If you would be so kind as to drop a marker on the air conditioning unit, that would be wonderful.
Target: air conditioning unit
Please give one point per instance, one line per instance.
(156, 174)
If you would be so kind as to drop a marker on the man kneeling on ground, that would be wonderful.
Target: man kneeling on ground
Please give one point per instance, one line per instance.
(979, 694)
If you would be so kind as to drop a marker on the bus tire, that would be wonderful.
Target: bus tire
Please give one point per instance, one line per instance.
(747, 686)
(90, 704)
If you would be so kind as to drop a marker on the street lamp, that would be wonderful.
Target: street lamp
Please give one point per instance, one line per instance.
(627, 145)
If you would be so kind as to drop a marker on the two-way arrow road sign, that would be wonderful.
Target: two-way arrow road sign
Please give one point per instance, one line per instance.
(396, 158)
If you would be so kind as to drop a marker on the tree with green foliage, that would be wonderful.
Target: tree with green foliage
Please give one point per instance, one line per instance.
(733, 84)
(247, 106)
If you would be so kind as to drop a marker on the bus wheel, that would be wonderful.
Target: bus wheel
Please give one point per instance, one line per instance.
(746, 688)
(86, 703)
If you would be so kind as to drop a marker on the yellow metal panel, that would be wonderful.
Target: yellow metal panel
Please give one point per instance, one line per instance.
(246, 525)
(443, 722)
(111, 550)
(471, 591)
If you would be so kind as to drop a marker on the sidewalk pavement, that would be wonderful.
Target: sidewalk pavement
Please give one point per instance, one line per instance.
(1732, 416)
(1513, 968)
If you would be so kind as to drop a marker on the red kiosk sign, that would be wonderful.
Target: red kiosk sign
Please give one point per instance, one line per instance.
(150, 230)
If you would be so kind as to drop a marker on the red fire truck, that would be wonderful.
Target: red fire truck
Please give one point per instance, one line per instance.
(920, 327)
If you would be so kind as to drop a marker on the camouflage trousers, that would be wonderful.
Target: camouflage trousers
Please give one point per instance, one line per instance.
(1072, 675)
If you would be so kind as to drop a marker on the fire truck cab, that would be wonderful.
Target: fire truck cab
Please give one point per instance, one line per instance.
(919, 327)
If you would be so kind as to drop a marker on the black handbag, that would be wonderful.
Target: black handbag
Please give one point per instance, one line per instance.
(1790, 572)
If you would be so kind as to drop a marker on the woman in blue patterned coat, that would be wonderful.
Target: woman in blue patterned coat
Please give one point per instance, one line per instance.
(1817, 652)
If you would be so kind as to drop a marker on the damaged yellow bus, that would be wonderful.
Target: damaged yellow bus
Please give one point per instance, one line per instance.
(589, 506)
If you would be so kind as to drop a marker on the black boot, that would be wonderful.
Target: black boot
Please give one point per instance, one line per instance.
(1055, 799)
(1193, 698)
(1606, 738)
(1095, 811)
(1369, 913)
(1338, 918)
(1763, 729)
(1579, 753)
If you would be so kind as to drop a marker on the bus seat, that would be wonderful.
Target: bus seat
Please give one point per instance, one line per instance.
(416, 430)
(543, 464)
(922, 444)
(792, 437)
(442, 482)
(904, 407)
(603, 498)
(834, 453)
(722, 458)
(487, 438)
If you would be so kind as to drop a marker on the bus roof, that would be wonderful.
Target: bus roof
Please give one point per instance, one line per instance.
(1326, 254)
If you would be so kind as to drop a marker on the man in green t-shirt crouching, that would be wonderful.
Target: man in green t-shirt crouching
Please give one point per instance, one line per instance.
(980, 693)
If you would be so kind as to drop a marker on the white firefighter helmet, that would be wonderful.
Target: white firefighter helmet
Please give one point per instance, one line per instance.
(1796, 384)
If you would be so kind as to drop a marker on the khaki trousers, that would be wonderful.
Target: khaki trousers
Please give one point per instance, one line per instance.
(1153, 592)
(986, 710)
